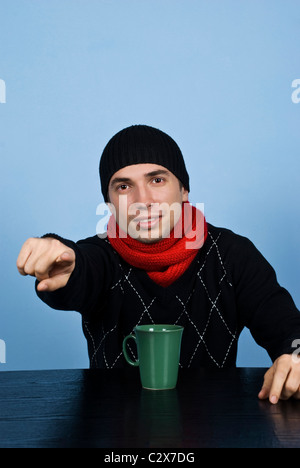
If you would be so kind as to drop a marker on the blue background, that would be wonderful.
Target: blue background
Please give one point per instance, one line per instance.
(214, 74)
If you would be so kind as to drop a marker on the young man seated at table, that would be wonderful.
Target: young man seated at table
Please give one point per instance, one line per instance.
(161, 262)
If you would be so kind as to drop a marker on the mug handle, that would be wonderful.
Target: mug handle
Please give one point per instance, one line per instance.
(132, 363)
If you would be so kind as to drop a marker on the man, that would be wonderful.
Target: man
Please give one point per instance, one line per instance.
(161, 262)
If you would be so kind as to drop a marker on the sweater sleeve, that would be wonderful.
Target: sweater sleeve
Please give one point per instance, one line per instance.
(265, 307)
(89, 280)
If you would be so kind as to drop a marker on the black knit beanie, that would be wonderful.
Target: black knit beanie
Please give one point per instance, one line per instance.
(140, 144)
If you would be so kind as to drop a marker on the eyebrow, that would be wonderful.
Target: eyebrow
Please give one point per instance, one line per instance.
(127, 180)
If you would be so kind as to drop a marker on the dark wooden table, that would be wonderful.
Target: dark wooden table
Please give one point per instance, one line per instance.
(98, 408)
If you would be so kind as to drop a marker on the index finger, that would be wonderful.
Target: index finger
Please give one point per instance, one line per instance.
(280, 375)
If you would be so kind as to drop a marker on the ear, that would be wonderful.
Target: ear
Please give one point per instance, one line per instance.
(185, 195)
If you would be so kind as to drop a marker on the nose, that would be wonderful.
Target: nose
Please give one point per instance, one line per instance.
(143, 196)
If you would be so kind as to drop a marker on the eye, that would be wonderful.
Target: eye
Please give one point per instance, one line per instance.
(157, 180)
(122, 187)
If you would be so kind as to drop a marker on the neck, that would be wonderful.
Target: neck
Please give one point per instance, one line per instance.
(167, 259)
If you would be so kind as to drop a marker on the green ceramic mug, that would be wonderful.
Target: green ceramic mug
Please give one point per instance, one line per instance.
(158, 348)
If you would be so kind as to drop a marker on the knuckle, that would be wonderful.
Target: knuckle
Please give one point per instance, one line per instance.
(284, 359)
(55, 242)
(281, 373)
(31, 241)
(28, 269)
(40, 274)
(54, 246)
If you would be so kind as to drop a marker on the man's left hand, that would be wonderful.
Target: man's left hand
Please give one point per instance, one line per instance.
(282, 380)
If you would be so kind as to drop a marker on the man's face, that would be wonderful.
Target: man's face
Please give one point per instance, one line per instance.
(147, 200)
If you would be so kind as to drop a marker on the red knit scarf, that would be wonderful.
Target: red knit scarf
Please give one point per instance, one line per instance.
(166, 260)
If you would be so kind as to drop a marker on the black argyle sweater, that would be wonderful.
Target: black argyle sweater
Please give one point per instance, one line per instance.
(228, 286)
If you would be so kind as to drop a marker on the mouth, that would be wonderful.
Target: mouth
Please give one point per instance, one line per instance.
(146, 223)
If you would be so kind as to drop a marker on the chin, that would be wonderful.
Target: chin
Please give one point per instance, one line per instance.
(152, 238)
(146, 240)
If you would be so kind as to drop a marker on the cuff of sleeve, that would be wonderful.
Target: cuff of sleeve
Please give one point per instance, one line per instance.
(63, 298)
(290, 346)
